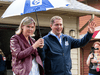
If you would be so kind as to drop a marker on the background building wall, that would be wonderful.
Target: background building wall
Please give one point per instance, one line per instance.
(84, 51)
(83, 20)
(72, 23)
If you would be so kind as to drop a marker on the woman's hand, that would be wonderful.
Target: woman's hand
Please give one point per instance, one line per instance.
(93, 60)
(38, 43)
(89, 59)
(42, 43)
(91, 55)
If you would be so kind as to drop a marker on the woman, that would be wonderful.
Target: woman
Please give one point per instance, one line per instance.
(25, 58)
(93, 60)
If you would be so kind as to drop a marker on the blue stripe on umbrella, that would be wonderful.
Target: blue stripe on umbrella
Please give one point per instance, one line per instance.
(28, 8)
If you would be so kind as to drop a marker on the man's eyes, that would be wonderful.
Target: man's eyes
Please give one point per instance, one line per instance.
(58, 24)
(28, 26)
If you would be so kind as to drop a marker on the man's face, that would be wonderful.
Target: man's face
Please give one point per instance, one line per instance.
(57, 27)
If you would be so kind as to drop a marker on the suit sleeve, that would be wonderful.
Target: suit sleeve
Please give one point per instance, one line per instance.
(42, 51)
(75, 43)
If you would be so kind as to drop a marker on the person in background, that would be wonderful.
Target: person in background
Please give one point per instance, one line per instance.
(3, 68)
(25, 57)
(57, 46)
(93, 60)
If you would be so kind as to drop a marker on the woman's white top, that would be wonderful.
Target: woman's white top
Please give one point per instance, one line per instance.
(34, 69)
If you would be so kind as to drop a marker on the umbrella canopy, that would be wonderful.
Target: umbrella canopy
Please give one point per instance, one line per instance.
(20, 7)
(96, 34)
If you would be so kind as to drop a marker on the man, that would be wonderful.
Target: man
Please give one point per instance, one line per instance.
(57, 46)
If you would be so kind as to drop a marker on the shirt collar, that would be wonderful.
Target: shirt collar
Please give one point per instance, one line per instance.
(54, 34)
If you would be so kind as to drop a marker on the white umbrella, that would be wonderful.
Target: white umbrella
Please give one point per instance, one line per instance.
(20, 7)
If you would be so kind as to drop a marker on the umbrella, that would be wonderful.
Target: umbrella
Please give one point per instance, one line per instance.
(96, 34)
(20, 7)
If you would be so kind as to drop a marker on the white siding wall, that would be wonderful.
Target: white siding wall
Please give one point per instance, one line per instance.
(72, 23)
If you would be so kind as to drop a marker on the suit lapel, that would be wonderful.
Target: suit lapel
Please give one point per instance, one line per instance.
(31, 40)
(25, 41)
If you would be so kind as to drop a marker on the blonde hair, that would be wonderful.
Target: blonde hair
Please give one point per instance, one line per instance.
(25, 21)
(55, 18)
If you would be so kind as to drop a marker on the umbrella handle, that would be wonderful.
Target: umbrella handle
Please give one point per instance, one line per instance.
(38, 24)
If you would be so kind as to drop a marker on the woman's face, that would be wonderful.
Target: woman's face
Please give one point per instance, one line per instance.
(28, 29)
(97, 46)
